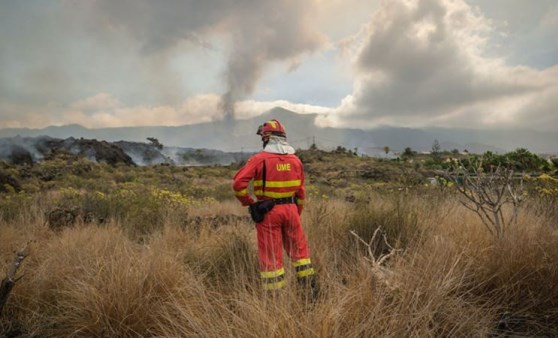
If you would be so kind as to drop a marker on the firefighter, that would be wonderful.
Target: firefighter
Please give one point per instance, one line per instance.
(278, 182)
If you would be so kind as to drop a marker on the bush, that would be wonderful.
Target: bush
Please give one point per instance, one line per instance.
(165, 254)
(398, 223)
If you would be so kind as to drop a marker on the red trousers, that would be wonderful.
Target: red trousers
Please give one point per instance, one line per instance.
(282, 228)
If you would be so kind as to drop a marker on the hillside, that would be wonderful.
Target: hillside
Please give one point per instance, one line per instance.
(168, 251)
(30, 150)
(239, 135)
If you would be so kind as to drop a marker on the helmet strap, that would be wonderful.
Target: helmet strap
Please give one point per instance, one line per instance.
(265, 140)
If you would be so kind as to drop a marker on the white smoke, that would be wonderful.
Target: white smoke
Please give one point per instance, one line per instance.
(258, 32)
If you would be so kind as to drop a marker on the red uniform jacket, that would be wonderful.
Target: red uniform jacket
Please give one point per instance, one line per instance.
(284, 178)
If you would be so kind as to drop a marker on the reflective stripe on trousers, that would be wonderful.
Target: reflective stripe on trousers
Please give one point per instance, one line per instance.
(273, 280)
(303, 268)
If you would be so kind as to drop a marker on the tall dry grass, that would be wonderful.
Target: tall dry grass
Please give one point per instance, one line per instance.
(448, 278)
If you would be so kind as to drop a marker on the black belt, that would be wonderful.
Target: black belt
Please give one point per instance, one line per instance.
(287, 200)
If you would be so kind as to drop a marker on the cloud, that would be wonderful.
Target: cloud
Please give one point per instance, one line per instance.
(258, 33)
(251, 108)
(423, 63)
(146, 52)
(550, 19)
(100, 101)
(104, 110)
(415, 63)
(195, 109)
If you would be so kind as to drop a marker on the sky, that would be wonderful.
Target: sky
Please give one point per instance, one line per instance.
(477, 64)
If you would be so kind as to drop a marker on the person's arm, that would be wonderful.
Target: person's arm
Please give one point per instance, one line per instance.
(242, 180)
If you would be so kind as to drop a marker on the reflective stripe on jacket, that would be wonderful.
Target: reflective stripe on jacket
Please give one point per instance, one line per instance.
(284, 178)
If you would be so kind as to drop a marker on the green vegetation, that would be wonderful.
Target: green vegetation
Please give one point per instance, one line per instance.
(167, 251)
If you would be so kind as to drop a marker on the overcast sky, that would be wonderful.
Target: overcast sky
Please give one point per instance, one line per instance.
(412, 63)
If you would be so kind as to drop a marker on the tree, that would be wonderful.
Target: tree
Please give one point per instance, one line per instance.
(522, 159)
(487, 192)
(386, 150)
(341, 150)
(489, 160)
(155, 142)
(313, 146)
(408, 153)
(436, 153)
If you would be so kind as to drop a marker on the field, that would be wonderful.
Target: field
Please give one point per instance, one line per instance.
(166, 251)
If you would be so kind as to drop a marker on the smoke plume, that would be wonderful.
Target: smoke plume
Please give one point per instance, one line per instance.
(258, 33)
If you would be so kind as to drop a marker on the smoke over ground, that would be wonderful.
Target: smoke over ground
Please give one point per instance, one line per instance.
(411, 63)
(29, 150)
(258, 33)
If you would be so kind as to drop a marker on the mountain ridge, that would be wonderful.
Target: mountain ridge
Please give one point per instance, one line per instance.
(240, 135)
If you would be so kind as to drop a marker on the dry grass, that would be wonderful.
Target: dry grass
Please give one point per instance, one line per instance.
(450, 278)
